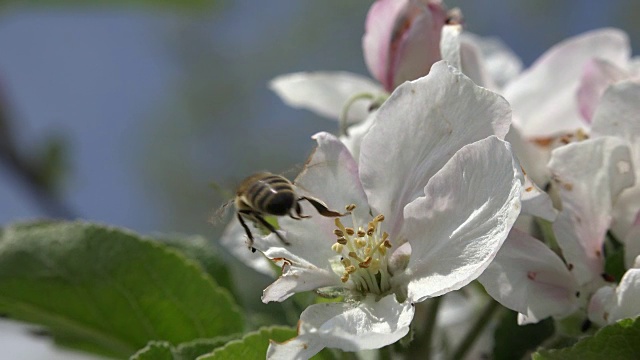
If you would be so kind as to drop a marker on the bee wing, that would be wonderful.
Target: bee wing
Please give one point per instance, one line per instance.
(220, 213)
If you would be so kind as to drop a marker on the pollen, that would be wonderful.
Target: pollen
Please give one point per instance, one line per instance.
(364, 250)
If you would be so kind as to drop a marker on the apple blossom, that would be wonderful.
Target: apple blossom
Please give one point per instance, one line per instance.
(610, 304)
(402, 39)
(526, 275)
(431, 199)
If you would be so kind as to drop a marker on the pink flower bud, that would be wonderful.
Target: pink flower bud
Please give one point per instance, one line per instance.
(402, 39)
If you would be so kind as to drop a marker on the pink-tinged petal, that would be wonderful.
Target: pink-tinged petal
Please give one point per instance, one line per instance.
(458, 226)
(326, 93)
(376, 42)
(589, 176)
(617, 115)
(609, 306)
(235, 240)
(543, 97)
(499, 64)
(415, 44)
(597, 75)
(526, 276)
(359, 326)
(434, 117)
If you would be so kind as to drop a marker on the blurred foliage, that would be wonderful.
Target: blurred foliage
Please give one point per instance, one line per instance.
(108, 291)
(616, 341)
(163, 350)
(513, 341)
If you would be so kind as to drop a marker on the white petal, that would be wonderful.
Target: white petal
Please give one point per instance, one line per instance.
(537, 202)
(589, 175)
(597, 75)
(617, 115)
(418, 129)
(632, 243)
(234, 239)
(526, 276)
(543, 98)
(533, 158)
(450, 44)
(330, 175)
(355, 135)
(609, 306)
(500, 62)
(456, 229)
(326, 93)
(346, 326)
(297, 276)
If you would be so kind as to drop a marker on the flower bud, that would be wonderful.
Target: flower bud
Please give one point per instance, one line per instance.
(402, 39)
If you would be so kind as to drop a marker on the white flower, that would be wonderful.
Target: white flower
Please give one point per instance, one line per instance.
(526, 275)
(432, 198)
(610, 304)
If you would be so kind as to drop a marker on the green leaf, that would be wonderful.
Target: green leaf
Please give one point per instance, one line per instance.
(162, 350)
(513, 341)
(155, 350)
(108, 290)
(253, 345)
(198, 249)
(617, 341)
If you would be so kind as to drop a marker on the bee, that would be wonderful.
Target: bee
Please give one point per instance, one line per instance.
(266, 194)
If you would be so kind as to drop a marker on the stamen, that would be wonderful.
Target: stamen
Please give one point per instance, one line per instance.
(337, 247)
(342, 241)
(338, 233)
(361, 233)
(344, 278)
(350, 231)
(379, 218)
(350, 207)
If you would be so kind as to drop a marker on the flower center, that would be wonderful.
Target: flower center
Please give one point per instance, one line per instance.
(363, 254)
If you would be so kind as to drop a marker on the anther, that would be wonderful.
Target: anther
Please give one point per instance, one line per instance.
(360, 243)
(338, 232)
(379, 218)
(352, 254)
(350, 231)
(337, 247)
(342, 241)
(350, 269)
(350, 207)
(344, 278)
(387, 243)
(361, 233)
(370, 230)
(365, 264)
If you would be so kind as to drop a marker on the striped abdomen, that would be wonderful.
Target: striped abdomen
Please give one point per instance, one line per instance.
(268, 193)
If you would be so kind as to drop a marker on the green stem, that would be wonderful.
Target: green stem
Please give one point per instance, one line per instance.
(421, 347)
(472, 335)
(345, 110)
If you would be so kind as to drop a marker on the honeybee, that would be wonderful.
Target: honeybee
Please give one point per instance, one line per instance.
(264, 194)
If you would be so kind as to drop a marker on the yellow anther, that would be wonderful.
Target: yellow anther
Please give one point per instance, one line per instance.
(350, 269)
(387, 243)
(365, 264)
(337, 247)
(342, 241)
(379, 218)
(350, 231)
(338, 232)
(345, 262)
(350, 207)
(361, 233)
(344, 278)
(371, 230)
(360, 243)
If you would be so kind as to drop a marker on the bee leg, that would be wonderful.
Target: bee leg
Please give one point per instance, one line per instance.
(299, 215)
(248, 231)
(321, 207)
(270, 227)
